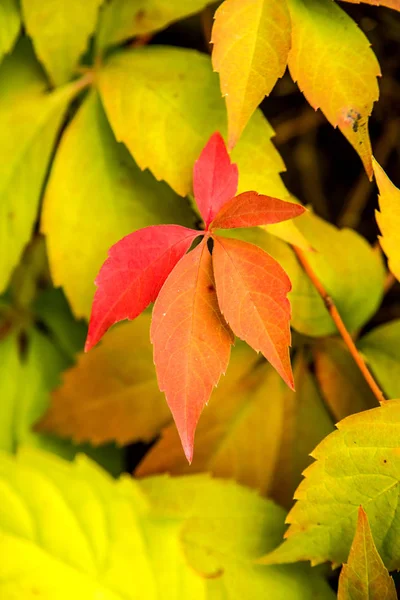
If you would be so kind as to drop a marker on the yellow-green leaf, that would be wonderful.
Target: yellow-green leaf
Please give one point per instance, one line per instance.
(123, 19)
(342, 384)
(60, 30)
(111, 394)
(251, 44)
(85, 535)
(365, 577)
(10, 23)
(335, 68)
(30, 118)
(381, 348)
(358, 464)
(388, 218)
(95, 195)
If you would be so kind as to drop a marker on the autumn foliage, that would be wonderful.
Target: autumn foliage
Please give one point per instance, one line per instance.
(199, 299)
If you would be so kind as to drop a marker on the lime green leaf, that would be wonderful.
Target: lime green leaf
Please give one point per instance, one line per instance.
(111, 394)
(251, 44)
(365, 576)
(175, 91)
(90, 164)
(85, 535)
(9, 381)
(381, 348)
(60, 30)
(342, 384)
(30, 119)
(10, 23)
(388, 218)
(358, 464)
(335, 68)
(123, 19)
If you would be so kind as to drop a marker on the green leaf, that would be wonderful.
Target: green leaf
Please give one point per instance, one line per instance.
(381, 348)
(60, 30)
(342, 384)
(85, 535)
(123, 19)
(96, 195)
(30, 119)
(358, 464)
(335, 68)
(365, 577)
(175, 91)
(10, 23)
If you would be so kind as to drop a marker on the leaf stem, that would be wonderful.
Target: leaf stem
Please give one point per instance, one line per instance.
(337, 319)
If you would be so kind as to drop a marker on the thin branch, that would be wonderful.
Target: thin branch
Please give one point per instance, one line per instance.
(333, 311)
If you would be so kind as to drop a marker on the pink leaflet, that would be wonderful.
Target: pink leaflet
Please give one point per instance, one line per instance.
(250, 209)
(215, 178)
(134, 273)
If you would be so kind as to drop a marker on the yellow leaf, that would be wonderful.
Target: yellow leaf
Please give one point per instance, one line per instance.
(10, 23)
(112, 392)
(251, 44)
(365, 577)
(388, 218)
(335, 68)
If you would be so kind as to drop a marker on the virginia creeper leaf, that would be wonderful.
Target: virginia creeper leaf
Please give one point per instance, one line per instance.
(250, 209)
(251, 41)
(30, 118)
(127, 540)
(388, 218)
(90, 164)
(191, 341)
(365, 577)
(133, 274)
(123, 19)
(60, 30)
(358, 464)
(252, 289)
(342, 384)
(395, 4)
(335, 68)
(381, 348)
(215, 178)
(111, 394)
(10, 23)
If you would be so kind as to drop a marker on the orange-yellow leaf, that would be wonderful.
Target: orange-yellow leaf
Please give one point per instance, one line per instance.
(191, 341)
(252, 289)
(365, 577)
(251, 43)
(111, 394)
(388, 218)
(395, 4)
(335, 68)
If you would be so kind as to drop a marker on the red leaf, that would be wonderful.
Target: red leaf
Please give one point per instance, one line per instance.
(191, 341)
(134, 273)
(251, 209)
(251, 290)
(215, 178)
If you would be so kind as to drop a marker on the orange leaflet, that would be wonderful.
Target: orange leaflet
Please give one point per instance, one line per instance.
(251, 290)
(215, 178)
(251, 209)
(191, 341)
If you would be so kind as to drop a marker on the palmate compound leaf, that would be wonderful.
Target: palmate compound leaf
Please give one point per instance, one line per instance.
(252, 289)
(357, 465)
(10, 23)
(111, 394)
(388, 218)
(332, 62)
(85, 535)
(365, 577)
(134, 273)
(191, 340)
(251, 42)
(60, 30)
(395, 4)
